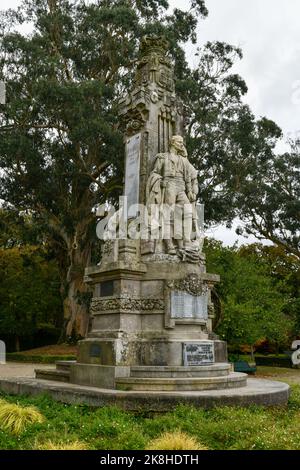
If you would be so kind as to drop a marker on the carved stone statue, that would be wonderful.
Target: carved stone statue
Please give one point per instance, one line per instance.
(173, 187)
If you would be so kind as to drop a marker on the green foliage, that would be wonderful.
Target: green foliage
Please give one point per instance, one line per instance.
(29, 291)
(284, 269)
(253, 305)
(15, 418)
(253, 428)
(17, 229)
(269, 200)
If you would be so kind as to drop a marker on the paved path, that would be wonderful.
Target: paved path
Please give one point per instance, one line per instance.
(21, 369)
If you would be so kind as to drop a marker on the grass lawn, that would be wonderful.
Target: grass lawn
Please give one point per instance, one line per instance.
(291, 376)
(109, 428)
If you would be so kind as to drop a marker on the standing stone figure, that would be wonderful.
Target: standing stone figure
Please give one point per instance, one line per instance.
(173, 188)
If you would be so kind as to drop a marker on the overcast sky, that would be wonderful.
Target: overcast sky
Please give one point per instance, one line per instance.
(269, 34)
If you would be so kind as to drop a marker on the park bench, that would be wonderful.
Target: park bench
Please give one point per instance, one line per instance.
(243, 366)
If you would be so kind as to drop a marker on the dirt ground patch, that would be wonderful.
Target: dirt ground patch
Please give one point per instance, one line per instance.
(52, 350)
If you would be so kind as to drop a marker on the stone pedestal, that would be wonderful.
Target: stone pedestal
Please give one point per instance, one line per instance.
(151, 345)
(155, 313)
(151, 305)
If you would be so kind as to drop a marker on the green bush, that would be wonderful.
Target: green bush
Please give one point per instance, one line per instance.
(30, 300)
(272, 360)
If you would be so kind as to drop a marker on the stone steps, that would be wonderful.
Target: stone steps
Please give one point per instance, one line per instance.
(60, 374)
(232, 380)
(52, 374)
(258, 392)
(215, 370)
(64, 365)
(161, 378)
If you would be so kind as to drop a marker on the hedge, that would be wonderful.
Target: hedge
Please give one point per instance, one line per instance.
(274, 361)
(43, 359)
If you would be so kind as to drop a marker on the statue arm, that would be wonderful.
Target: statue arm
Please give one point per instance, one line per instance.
(153, 189)
(191, 179)
(194, 188)
(158, 164)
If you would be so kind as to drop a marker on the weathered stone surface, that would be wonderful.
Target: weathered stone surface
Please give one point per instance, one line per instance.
(257, 392)
(215, 370)
(172, 188)
(184, 305)
(126, 304)
(52, 374)
(97, 376)
(132, 172)
(221, 354)
(233, 380)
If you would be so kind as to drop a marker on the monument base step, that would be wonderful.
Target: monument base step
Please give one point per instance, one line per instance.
(64, 365)
(214, 370)
(257, 392)
(61, 373)
(50, 374)
(233, 380)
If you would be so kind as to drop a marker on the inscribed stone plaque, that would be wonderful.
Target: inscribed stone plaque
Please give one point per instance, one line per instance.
(198, 354)
(106, 288)
(184, 305)
(132, 173)
(95, 350)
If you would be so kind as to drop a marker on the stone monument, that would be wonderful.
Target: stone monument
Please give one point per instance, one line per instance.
(151, 309)
(151, 344)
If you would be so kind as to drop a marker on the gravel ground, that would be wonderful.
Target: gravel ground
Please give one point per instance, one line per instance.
(20, 369)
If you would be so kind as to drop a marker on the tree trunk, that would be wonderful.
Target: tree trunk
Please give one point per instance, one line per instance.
(252, 353)
(76, 303)
(17, 343)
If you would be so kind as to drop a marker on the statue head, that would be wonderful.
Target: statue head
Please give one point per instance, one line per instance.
(177, 145)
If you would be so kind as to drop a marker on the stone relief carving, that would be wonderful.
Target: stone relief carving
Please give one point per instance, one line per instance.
(126, 304)
(135, 119)
(154, 64)
(192, 284)
(107, 247)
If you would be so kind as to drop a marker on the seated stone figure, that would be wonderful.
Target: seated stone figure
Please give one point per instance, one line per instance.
(173, 188)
